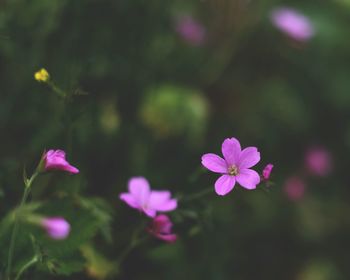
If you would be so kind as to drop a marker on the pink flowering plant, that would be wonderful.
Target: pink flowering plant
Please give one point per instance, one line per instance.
(235, 166)
(141, 197)
(151, 203)
(57, 226)
(174, 140)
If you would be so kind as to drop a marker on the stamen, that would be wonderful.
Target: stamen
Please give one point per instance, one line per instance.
(233, 170)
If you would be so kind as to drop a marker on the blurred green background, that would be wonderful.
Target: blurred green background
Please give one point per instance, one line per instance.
(155, 103)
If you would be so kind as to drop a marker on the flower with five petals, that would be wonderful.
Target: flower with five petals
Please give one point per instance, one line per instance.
(234, 167)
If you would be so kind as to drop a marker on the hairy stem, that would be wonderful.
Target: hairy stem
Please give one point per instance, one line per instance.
(33, 261)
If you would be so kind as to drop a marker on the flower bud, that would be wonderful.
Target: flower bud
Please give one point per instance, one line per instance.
(161, 229)
(56, 227)
(56, 160)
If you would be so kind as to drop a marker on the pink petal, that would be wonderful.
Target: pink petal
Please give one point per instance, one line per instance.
(149, 212)
(160, 201)
(248, 157)
(293, 23)
(71, 169)
(248, 178)
(214, 163)
(170, 205)
(130, 200)
(224, 184)
(170, 238)
(231, 149)
(158, 198)
(140, 189)
(60, 153)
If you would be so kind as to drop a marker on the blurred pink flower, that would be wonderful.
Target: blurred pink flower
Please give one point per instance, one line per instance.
(267, 171)
(56, 160)
(294, 188)
(190, 30)
(161, 229)
(291, 22)
(318, 161)
(234, 167)
(141, 197)
(56, 227)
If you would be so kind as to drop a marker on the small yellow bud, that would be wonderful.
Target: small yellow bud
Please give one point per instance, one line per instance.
(42, 75)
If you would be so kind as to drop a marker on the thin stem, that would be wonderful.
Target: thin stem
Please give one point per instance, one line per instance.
(194, 176)
(198, 195)
(135, 241)
(26, 193)
(33, 261)
(57, 90)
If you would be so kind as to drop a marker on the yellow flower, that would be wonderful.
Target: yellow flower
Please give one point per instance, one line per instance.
(42, 75)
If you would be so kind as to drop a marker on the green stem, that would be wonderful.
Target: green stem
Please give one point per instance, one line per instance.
(33, 261)
(26, 193)
(198, 195)
(135, 241)
(199, 171)
(56, 89)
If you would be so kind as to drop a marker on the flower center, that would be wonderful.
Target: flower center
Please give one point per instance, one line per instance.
(232, 170)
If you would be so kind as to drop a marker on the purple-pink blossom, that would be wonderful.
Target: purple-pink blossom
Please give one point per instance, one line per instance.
(267, 171)
(293, 23)
(235, 166)
(141, 197)
(56, 160)
(190, 30)
(56, 227)
(161, 229)
(294, 188)
(318, 161)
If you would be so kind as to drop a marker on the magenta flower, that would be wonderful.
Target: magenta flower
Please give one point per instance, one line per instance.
(291, 22)
(56, 227)
(56, 160)
(318, 161)
(294, 188)
(267, 171)
(234, 167)
(161, 229)
(190, 30)
(141, 197)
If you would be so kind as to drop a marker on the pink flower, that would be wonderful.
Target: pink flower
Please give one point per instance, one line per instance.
(267, 171)
(291, 22)
(234, 167)
(56, 160)
(141, 197)
(294, 188)
(56, 227)
(161, 229)
(190, 30)
(318, 161)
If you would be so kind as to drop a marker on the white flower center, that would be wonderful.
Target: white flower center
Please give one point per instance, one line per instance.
(232, 170)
